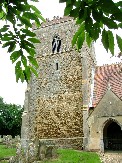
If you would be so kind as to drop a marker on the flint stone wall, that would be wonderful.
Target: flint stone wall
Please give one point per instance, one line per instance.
(73, 143)
(55, 98)
(59, 103)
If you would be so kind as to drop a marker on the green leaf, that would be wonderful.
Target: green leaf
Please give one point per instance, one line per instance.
(10, 17)
(28, 32)
(4, 28)
(6, 37)
(25, 21)
(19, 25)
(22, 77)
(33, 40)
(40, 17)
(74, 13)
(117, 16)
(95, 31)
(81, 14)
(120, 25)
(31, 16)
(80, 40)
(74, 39)
(14, 10)
(31, 51)
(18, 70)
(34, 71)
(15, 55)
(27, 73)
(35, 9)
(111, 42)
(33, 61)
(109, 22)
(29, 44)
(24, 60)
(34, 16)
(18, 75)
(2, 15)
(68, 10)
(22, 36)
(12, 46)
(119, 4)
(23, 7)
(80, 30)
(105, 40)
(7, 44)
(79, 21)
(96, 15)
(86, 13)
(101, 24)
(69, 2)
(88, 40)
(119, 42)
(108, 6)
(88, 24)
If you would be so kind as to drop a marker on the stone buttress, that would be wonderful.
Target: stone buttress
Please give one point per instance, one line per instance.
(54, 101)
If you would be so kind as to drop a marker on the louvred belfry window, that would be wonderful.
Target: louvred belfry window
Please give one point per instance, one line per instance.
(56, 44)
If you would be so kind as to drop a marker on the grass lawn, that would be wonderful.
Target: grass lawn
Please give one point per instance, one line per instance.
(6, 152)
(72, 156)
(64, 156)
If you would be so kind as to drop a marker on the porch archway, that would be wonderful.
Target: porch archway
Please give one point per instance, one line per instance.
(112, 136)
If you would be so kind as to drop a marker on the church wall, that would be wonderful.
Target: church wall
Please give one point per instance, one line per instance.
(109, 108)
(55, 97)
(88, 66)
(55, 109)
(59, 108)
(60, 97)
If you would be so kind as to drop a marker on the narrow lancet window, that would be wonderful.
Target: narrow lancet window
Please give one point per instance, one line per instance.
(57, 67)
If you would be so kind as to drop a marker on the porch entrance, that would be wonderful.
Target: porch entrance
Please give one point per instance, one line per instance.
(112, 136)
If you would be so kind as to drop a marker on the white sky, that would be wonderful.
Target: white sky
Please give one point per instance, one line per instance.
(13, 92)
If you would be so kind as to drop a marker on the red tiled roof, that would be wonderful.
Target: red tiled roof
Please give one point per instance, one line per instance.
(107, 76)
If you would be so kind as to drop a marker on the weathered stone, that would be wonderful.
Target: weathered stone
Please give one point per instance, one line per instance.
(31, 153)
(42, 151)
(12, 160)
(49, 152)
(8, 141)
(54, 101)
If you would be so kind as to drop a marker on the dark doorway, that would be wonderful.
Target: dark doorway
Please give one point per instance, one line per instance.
(112, 136)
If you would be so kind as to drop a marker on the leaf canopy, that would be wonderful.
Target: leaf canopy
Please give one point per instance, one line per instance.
(97, 16)
(20, 15)
(94, 18)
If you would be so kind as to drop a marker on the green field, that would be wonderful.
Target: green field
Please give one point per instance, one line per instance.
(64, 156)
(6, 152)
(72, 156)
